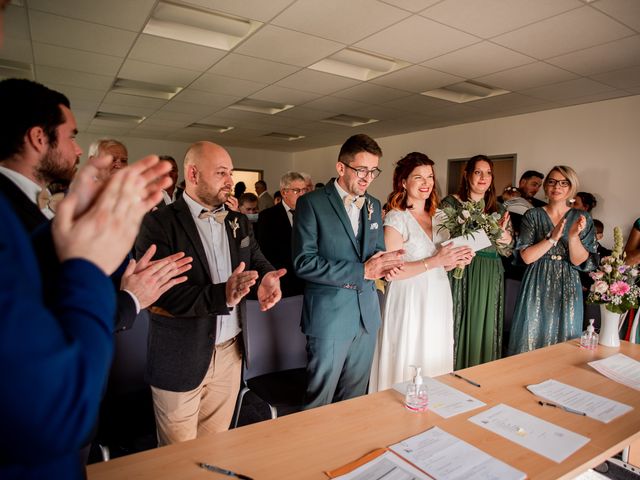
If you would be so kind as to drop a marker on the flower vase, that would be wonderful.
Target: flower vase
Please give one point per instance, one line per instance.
(609, 323)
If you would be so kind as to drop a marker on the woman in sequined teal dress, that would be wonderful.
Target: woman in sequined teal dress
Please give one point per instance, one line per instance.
(478, 297)
(556, 242)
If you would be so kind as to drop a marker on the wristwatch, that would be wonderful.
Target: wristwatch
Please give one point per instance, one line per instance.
(551, 240)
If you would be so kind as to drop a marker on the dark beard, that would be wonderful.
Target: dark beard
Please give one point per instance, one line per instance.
(52, 169)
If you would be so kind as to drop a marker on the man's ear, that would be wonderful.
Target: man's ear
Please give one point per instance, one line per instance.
(192, 174)
(340, 168)
(37, 139)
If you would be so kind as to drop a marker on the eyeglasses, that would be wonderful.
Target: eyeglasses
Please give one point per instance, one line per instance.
(297, 191)
(363, 173)
(552, 182)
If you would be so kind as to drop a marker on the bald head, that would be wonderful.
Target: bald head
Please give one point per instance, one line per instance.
(207, 172)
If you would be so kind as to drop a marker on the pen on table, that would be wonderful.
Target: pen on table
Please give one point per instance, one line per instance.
(224, 471)
(465, 379)
(566, 409)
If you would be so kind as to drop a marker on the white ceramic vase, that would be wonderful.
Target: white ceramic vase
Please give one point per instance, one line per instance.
(609, 322)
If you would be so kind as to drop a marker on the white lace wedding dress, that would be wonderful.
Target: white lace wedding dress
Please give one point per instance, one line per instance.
(417, 322)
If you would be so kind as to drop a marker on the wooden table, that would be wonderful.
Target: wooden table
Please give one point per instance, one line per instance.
(304, 445)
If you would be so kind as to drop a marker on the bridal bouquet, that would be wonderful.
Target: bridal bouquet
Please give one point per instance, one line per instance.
(614, 282)
(466, 220)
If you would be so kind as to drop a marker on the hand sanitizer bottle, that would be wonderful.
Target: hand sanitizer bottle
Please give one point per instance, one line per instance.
(589, 338)
(416, 399)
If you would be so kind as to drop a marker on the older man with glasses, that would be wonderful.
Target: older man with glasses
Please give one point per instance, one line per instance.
(274, 228)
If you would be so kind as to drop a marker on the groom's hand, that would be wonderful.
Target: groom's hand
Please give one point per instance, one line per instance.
(383, 264)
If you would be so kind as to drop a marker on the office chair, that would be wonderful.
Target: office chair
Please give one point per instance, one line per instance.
(275, 359)
(127, 423)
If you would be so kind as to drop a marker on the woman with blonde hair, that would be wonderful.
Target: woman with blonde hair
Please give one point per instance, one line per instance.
(556, 241)
(417, 325)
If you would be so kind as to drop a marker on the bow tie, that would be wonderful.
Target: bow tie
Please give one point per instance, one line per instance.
(218, 215)
(349, 200)
(43, 198)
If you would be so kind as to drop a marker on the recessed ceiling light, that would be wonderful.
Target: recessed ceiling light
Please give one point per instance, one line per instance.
(144, 89)
(358, 64)
(290, 137)
(199, 26)
(464, 92)
(260, 106)
(210, 128)
(13, 69)
(349, 120)
(109, 118)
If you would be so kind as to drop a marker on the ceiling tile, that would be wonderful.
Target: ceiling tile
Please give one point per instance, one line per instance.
(78, 93)
(287, 96)
(339, 20)
(191, 95)
(493, 17)
(418, 104)
(177, 116)
(371, 93)
(625, 11)
(251, 68)
(17, 49)
(160, 74)
(16, 23)
(123, 14)
(317, 82)
(286, 46)
(164, 51)
(377, 112)
(602, 58)
(64, 32)
(334, 104)
(558, 35)
(479, 59)
(625, 78)
(303, 113)
(416, 39)
(126, 110)
(108, 131)
(411, 5)
(186, 107)
(417, 79)
(527, 76)
(71, 59)
(226, 85)
(253, 9)
(571, 89)
(509, 101)
(598, 97)
(61, 76)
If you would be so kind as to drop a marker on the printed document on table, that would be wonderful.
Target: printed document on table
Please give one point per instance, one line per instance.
(540, 436)
(591, 475)
(476, 241)
(446, 457)
(387, 466)
(444, 400)
(595, 406)
(619, 368)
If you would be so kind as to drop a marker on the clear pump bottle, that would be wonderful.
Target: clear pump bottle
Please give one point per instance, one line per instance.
(589, 338)
(416, 399)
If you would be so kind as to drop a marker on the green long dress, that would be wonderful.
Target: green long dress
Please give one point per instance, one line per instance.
(478, 304)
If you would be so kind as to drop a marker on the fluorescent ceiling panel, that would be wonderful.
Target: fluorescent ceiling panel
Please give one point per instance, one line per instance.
(358, 64)
(144, 89)
(464, 92)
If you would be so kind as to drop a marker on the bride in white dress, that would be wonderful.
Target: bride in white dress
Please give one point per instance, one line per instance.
(417, 323)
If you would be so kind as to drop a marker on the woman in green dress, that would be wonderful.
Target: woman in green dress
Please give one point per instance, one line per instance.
(478, 297)
(556, 241)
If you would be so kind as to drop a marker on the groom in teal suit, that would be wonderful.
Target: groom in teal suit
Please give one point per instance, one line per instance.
(338, 250)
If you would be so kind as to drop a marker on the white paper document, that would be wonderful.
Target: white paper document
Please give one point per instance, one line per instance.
(387, 466)
(591, 475)
(594, 406)
(444, 400)
(540, 436)
(619, 368)
(476, 241)
(445, 457)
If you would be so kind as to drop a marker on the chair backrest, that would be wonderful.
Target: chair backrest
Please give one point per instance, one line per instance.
(130, 357)
(273, 339)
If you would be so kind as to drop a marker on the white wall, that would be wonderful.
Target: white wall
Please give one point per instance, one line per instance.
(274, 164)
(601, 141)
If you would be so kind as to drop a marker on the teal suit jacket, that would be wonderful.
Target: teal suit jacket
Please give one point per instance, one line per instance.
(329, 258)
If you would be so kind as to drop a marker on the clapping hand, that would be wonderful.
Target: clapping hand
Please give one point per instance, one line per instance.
(384, 264)
(269, 292)
(578, 226)
(239, 284)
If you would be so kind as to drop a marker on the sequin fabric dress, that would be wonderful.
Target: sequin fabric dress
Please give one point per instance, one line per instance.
(549, 309)
(478, 306)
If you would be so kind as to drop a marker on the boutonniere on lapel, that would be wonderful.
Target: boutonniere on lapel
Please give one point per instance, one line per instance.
(369, 209)
(234, 226)
(373, 226)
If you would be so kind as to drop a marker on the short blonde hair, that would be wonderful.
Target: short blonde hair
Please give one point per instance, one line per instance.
(99, 146)
(568, 173)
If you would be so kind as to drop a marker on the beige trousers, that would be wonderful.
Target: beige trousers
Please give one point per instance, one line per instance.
(182, 416)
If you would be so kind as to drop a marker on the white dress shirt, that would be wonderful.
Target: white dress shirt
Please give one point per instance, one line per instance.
(216, 247)
(287, 209)
(353, 212)
(30, 188)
